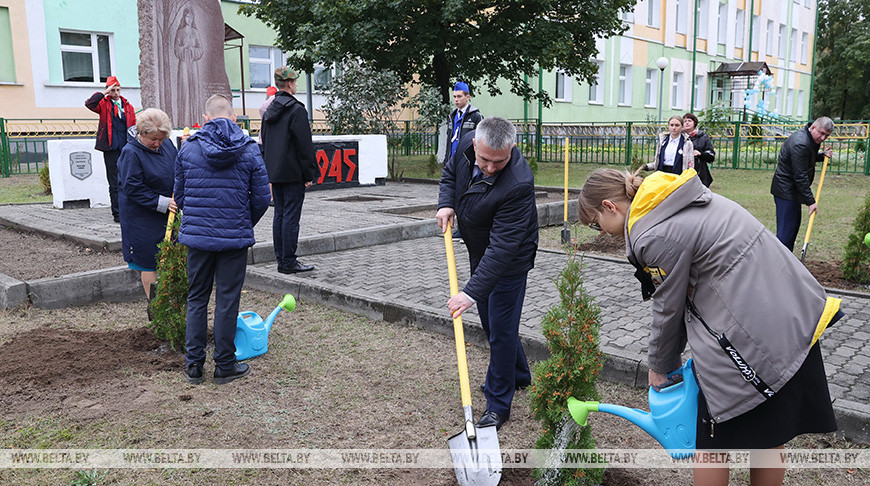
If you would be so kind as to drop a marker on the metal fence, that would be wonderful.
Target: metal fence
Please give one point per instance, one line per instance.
(23, 142)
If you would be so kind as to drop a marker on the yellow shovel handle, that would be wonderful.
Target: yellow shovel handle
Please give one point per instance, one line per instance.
(169, 222)
(818, 198)
(458, 331)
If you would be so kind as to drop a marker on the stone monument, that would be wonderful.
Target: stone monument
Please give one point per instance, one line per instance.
(181, 45)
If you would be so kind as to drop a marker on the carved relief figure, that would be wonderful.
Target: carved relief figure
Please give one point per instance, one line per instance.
(188, 50)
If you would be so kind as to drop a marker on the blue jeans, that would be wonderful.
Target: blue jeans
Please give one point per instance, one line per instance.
(788, 221)
(226, 271)
(288, 198)
(500, 316)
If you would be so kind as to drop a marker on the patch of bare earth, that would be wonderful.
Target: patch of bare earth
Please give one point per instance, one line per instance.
(30, 256)
(92, 377)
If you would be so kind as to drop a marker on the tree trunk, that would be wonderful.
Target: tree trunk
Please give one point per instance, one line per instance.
(442, 77)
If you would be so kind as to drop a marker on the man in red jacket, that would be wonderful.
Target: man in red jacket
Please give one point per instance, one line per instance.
(116, 116)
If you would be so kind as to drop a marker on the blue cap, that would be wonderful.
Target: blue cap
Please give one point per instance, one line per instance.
(460, 86)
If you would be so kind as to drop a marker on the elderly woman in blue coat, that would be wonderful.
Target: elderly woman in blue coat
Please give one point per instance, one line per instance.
(145, 178)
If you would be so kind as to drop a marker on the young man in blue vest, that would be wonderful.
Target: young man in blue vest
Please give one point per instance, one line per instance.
(462, 120)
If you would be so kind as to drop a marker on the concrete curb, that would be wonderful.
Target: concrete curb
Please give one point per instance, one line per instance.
(117, 284)
(12, 292)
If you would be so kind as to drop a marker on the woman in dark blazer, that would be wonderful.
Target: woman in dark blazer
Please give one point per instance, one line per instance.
(145, 178)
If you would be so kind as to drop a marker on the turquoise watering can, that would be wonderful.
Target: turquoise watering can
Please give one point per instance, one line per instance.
(252, 333)
(672, 418)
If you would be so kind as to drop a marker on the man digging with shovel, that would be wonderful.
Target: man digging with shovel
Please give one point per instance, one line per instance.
(489, 187)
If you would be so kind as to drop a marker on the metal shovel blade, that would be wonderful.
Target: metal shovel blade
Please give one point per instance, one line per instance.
(476, 461)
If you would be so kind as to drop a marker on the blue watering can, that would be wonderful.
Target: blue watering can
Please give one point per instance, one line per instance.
(252, 333)
(672, 418)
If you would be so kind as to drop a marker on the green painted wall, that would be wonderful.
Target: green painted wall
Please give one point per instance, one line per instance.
(117, 17)
(7, 56)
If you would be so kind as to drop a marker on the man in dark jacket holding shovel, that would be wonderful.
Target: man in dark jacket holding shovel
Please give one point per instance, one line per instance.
(222, 189)
(489, 187)
(792, 181)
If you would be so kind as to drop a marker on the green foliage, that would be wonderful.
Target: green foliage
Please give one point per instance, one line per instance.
(571, 328)
(843, 63)
(363, 99)
(169, 302)
(88, 478)
(533, 164)
(716, 117)
(431, 165)
(478, 41)
(856, 257)
(431, 110)
(44, 179)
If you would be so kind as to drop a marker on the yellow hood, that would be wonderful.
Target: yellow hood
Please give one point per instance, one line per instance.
(654, 190)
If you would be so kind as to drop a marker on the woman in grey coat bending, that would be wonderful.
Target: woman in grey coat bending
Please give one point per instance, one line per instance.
(750, 311)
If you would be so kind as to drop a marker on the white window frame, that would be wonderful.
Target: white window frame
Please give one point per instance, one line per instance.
(92, 50)
(650, 87)
(703, 9)
(719, 90)
(740, 22)
(808, 3)
(805, 41)
(272, 63)
(566, 82)
(318, 68)
(623, 95)
(769, 49)
(627, 17)
(756, 33)
(789, 102)
(700, 99)
(722, 30)
(653, 13)
(596, 90)
(800, 106)
(677, 90)
(794, 45)
(681, 15)
(780, 99)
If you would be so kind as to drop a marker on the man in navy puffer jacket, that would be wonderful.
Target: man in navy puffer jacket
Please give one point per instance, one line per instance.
(222, 188)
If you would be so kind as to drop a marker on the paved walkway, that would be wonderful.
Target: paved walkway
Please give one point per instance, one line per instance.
(405, 280)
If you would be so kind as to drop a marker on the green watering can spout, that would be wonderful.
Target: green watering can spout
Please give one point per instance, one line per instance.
(580, 410)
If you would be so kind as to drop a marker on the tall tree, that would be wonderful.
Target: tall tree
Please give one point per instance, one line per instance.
(478, 41)
(843, 66)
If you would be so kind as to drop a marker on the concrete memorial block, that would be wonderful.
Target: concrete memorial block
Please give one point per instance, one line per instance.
(78, 174)
(181, 54)
(350, 160)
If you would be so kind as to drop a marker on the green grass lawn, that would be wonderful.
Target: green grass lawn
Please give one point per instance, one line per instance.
(841, 199)
(22, 189)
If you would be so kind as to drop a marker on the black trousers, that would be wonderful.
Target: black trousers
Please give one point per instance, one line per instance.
(788, 221)
(288, 198)
(500, 316)
(111, 159)
(226, 271)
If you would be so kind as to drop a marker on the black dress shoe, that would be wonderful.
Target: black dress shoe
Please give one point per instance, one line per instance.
(237, 371)
(193, 373)
(490, 418)
(296, 268)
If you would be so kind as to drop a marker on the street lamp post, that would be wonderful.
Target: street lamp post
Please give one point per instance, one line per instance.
(662, 64)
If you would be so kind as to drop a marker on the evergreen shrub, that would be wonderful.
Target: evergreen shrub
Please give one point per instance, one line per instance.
(571, 328)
